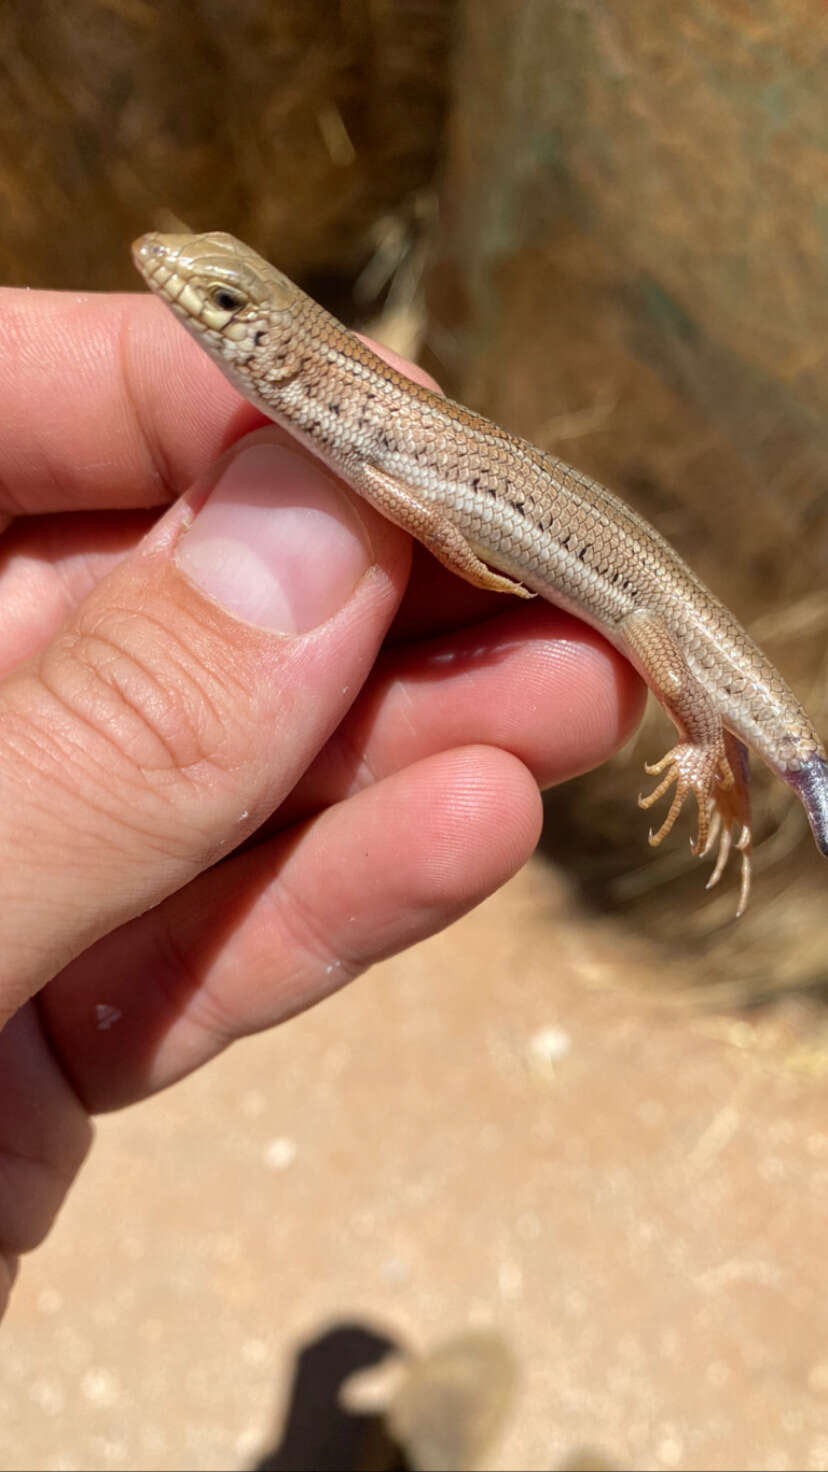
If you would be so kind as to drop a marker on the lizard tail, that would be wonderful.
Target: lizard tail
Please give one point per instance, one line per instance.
(811, 787)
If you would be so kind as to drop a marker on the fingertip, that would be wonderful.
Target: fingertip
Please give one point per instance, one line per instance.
(600, 696)
(136, 410)
(479, 816)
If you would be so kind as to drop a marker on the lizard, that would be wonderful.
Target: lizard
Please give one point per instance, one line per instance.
(509, 517)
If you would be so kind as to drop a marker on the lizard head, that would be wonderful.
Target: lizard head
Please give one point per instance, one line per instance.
(238, 306)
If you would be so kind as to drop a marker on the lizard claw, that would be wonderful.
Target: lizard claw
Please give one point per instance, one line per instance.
(688, 769)
(721, 797)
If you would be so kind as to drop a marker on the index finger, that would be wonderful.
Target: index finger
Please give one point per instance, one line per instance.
(105, 403)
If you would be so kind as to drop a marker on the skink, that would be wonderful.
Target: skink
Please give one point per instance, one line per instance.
(506, 516)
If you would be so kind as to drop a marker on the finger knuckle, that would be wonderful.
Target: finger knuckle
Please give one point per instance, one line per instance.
(130, 701)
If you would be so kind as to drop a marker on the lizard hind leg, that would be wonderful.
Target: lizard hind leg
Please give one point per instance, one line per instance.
(733, 806)
(717, 776)
(732, 812)
(709, 762)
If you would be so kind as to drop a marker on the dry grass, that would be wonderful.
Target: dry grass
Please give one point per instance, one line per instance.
(297, 126)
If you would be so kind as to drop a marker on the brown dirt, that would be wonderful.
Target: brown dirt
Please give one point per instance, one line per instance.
(482, 1134)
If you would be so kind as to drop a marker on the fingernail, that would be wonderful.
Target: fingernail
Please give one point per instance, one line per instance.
(276, 543)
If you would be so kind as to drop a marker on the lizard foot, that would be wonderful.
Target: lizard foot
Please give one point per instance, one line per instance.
(717, 776)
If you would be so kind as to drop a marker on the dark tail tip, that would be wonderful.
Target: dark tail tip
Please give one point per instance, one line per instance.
(811, 785)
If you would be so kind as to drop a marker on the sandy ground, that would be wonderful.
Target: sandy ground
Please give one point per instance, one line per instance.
(483, 1136)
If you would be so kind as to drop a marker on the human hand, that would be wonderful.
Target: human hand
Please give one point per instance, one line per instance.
(242, 755)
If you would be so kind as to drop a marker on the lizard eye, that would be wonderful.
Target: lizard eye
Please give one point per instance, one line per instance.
(225, 298)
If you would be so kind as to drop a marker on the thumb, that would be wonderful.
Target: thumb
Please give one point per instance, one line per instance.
(188, 694)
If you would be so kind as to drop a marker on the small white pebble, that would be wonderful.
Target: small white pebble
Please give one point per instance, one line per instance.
(550, 1044)
(248, 1444)
(100, 1387)
(670, 1451)
(280, 1153)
